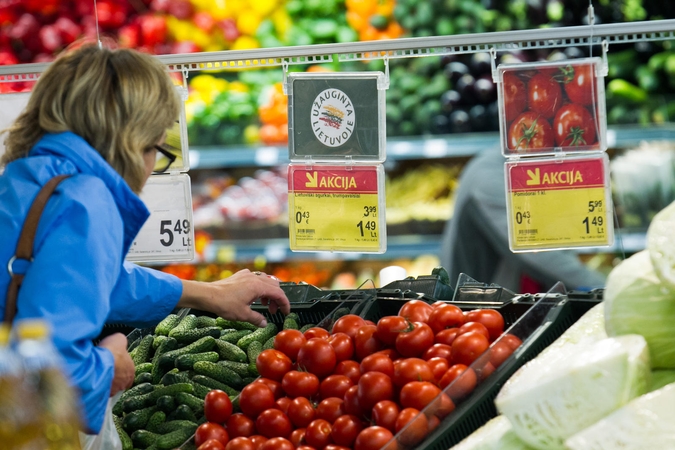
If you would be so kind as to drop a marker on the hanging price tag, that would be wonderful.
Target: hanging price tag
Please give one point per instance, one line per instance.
(11, 105)
(167, 235)
(555, 204)
(336, 208)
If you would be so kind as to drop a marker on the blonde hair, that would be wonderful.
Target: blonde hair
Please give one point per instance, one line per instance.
(120, 101)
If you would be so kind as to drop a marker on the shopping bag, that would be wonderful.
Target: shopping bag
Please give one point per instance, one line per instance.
(107, 439)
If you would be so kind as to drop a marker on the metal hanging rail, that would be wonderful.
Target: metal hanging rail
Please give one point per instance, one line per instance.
(614, 33)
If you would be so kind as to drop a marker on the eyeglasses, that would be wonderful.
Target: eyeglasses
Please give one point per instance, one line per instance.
(163, 160)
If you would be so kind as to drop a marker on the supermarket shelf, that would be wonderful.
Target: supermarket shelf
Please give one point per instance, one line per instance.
(409, 246)
(446, 146)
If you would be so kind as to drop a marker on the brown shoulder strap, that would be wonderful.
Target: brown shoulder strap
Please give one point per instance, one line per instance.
(24, 248)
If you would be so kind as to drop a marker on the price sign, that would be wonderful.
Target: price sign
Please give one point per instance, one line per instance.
(167, 235)
(554, 204)
(11, 105)
(337, 208)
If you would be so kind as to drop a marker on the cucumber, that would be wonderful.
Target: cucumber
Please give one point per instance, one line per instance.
(269, 344)
(175, 438)
(205, 322)
(138, 420)
(127, 444)
(166, 404)
(291, 322)
(234, 337)
(224, 323)
(143, 388)
(167, 344)
(141, 353)
(143, 367)
(158, 339)
(174, 376)
(214, 384)
(173, 389)
(173, 425)
(143, 438)
(166, 361)
(182, 412)
(307, 327)
(240, 369)
(227, 350)
(219, 373)
(261, 335)
(189, 322)
(134, 344)
(196, 404)
(200, 390)
(141, 378)
(185, 337)
(167, 324)
(137, 402)
(340, 312)
(249, 380)
(155, 421)
(254, 350)
(252, 371)
(186, 362)
(226, 331)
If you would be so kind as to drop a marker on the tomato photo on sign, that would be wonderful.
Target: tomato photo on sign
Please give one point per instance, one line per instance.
(579, 83)
(529, 131)
(574, 126)
(544, 95)
(217, 406)
(515, 96)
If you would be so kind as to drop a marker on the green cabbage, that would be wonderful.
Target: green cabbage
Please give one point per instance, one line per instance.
(561, 392)
(637, 302)
(661, 378)
(661, 244)
(648, 422)
(496, 434)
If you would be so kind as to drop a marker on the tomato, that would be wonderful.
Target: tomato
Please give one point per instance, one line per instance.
(389, 327)
(343, 346)
(416, 311)
(573, 126)
(211, 444)
(446, 336)
(277, 443)
(485, 371)
(257, 440)
(240, 425)
(348, 324)
(298, 436)
(350, 369)
(390, 353)
(282, 404)
(335, 447)
(412, 426)
(442, 406)
(474, 326)
(515, 96)
(334, 386)
(544, 95)
(499, 352)
(372, 388)
(345, 429)
(274, 386)
(217, 406)
(529, 131)
(438, 367)
(301, 412)
(316, 332)
(241, 443)
(208, 430)
(465, 381)
(331, 408)
(305, 447)
(385, 413)
(418, 394)
(318, 433)
(273, 364)
(412, 369)
(300, 384)
(255, 398)
(351, 402)
(366, 343)
(378, 362)
(438, 351)
(445, 316)
(579, 82)
(512, 341)
(415, 342)
(374, 438)
(273, 423)
(491, 319)
(318, 357)
(434, 422)
(468, 346)
(289, 342)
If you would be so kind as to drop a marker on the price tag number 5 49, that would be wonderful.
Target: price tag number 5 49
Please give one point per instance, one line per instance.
(167, 228)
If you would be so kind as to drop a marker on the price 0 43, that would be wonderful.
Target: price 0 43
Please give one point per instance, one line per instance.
(520, 216)
(168, 228)
(300, 216)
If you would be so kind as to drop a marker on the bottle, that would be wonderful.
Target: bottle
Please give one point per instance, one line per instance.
(42, 373)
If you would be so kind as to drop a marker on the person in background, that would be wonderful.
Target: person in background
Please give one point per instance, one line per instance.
(476, 241)
(99, 116)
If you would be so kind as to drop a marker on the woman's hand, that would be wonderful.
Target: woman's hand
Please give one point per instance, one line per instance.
(231, 297)
(124, 366)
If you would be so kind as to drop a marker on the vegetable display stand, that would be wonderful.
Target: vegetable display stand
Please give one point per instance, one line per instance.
(436, 285)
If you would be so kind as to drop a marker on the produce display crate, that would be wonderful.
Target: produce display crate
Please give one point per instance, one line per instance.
(536, 319)
(434, 285)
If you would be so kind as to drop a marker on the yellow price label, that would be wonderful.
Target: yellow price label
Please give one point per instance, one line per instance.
(335, 208)
(554, 204)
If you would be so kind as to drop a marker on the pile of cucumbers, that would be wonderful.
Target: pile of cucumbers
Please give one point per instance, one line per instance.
(177, 365)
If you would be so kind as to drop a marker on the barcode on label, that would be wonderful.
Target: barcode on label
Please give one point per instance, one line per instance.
(535, 231)
(305, 231)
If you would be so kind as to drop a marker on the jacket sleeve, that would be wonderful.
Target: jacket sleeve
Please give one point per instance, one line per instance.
(77, 259)
(143, 296)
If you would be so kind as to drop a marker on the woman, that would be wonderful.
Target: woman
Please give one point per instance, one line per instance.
(98, 114)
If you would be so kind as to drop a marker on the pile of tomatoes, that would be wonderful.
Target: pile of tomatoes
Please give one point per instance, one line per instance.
(361, 384)
(552, 106)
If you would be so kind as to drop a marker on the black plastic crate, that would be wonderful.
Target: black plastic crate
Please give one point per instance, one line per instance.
(432, 286)
(301, 292)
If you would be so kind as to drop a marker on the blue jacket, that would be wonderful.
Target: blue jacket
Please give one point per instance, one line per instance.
(78, 280)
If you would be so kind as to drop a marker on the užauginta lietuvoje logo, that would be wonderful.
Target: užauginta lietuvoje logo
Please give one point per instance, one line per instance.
(333, 118)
